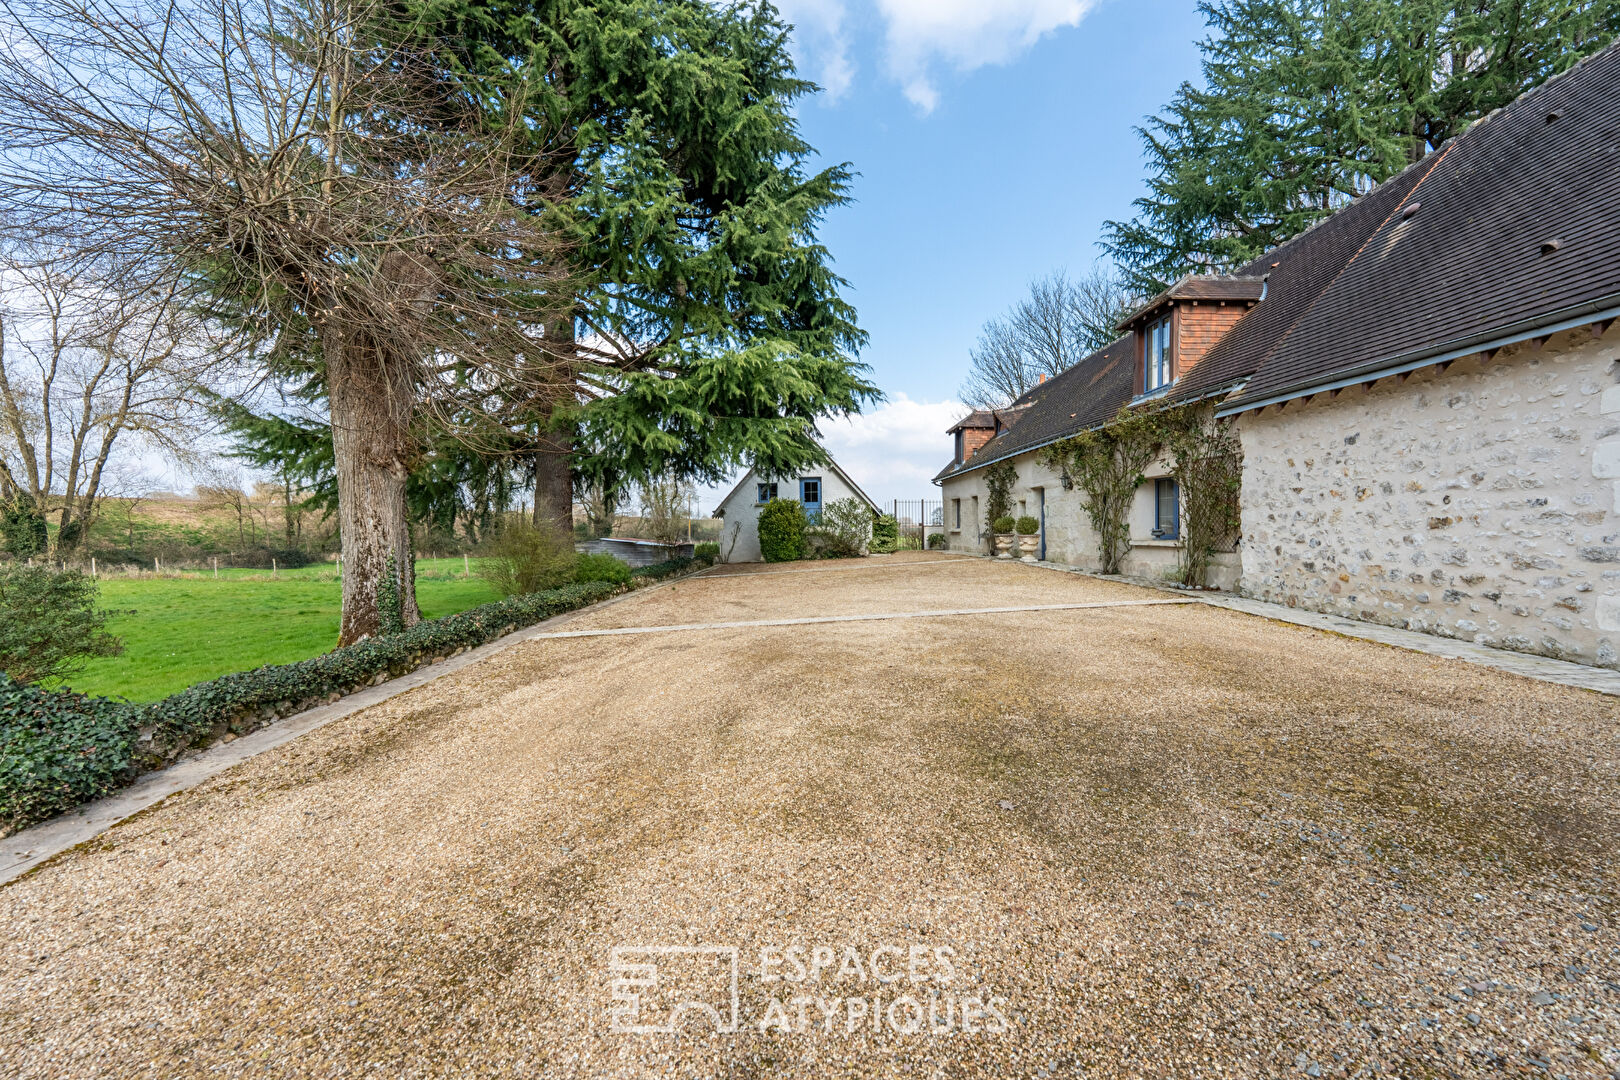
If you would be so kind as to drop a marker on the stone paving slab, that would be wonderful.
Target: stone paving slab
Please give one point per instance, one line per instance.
(1545, 668)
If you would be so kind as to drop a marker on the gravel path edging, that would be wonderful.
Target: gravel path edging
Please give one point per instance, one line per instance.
(878, 616)
(1528, 665)
(32, 847)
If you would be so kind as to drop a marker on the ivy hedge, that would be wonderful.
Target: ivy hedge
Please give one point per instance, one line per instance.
(59, 749)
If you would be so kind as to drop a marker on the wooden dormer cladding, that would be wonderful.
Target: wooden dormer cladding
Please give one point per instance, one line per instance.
(1200, 309)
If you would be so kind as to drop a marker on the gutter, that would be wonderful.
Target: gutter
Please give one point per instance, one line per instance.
(1605, 307)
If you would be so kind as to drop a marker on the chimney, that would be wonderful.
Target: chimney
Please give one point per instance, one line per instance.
(1041, 379)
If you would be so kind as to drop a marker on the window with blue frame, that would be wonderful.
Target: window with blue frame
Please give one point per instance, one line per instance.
(810, 495)
(1156, 356)
(767, 492)
(1166, 510)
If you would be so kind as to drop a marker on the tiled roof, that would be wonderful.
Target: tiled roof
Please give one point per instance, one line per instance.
(978, 418)
(1470, 264)
(1200, 287)
(1296, 274)
(1379, 283)
(1084, 396)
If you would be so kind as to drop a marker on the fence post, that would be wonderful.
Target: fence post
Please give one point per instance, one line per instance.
(92, 566)
(216, 567)
(274, 570)
(466, 567)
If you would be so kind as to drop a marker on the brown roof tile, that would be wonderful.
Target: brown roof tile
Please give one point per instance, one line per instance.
(1469, 265)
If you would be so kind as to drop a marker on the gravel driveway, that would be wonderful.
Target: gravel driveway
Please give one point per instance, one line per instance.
(1143, 841)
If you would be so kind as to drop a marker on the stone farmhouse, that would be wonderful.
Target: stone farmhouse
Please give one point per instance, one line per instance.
(1426, 386)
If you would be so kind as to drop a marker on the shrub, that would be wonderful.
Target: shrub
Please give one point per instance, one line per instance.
(601, 567)
(59, 749)
(667, 568)
(523, 559)
(22, 526)
(845, 529)
(1003, 524)
(709, 551)
(885, 534)
(781, 531)
(49, 623)
(938, 541)
(1027, 526)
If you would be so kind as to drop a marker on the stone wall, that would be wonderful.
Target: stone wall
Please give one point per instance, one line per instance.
(1478, 503)
(1070, 539)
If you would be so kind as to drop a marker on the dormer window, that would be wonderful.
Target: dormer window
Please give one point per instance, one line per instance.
(1156, 356)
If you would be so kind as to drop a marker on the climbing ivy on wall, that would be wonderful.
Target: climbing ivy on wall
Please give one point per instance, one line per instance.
(999, 480)
(1209, 471)
(1106, 464)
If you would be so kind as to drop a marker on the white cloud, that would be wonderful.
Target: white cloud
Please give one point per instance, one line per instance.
(892, 451)
(966, 34)
(921, 35)
(821, 42)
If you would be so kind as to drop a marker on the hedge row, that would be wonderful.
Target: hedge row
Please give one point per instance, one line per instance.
(59, 749)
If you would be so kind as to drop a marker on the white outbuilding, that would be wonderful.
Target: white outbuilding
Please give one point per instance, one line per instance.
(739, 511)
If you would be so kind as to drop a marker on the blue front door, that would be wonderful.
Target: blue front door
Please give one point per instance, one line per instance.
(810, 495)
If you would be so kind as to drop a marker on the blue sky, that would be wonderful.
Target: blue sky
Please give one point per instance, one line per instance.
(992, 138)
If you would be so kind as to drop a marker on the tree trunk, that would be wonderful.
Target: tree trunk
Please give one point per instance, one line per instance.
(372, 397)
(553, 468)
(554, 484)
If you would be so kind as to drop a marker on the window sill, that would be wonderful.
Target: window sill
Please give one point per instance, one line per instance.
(1156, 543)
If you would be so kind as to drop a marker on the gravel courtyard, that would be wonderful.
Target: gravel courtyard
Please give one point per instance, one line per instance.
(1134, 840)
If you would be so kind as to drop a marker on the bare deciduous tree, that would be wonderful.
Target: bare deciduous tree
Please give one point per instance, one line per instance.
(1060, 323)
(321, 184)
(666, 505)
(222, 490)
(85, 364)
(601, 504)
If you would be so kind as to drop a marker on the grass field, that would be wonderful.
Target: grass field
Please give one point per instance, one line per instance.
(183, 629)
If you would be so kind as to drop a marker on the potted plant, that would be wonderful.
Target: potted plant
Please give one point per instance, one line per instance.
(1028, 542)
(1002, 529)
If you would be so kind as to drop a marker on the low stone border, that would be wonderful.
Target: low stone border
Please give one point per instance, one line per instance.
(30, 848)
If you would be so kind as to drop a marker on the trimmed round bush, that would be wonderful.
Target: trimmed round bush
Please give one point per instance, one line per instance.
(781, 531)
(601, 566)
(1002, 525)
(1027, 526)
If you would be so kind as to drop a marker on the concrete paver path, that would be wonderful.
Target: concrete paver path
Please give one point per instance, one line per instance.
(1135, 839)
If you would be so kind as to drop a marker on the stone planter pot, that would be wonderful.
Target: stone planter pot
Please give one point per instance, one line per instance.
(1004, 544)
(1029, 546)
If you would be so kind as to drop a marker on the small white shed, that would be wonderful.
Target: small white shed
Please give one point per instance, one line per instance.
(739, 511)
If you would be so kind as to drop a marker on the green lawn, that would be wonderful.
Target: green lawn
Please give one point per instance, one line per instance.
(182, 630)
